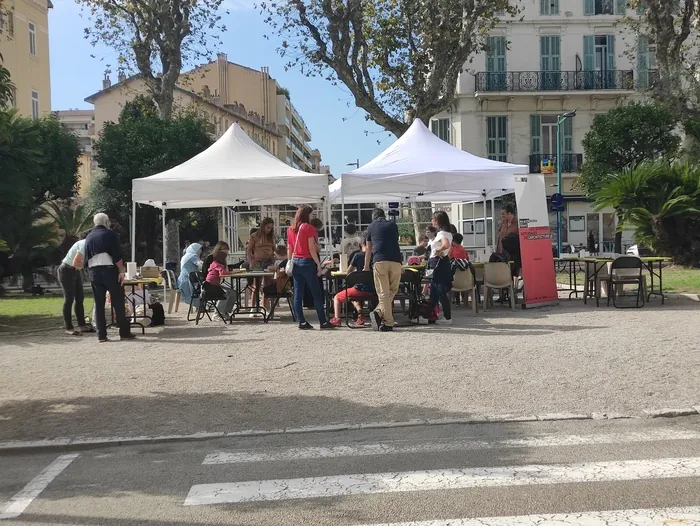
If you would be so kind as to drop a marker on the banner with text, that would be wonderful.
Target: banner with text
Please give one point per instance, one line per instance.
(535, 240)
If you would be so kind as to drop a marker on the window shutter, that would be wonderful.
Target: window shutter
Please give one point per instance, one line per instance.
(568, 133)
(535, 134)
(643, 62)
(589, 53)
(589, 7)
(555, 49)
(620, 7)
(543, 7)
(554, 7)
(490, 54)
(611, 52)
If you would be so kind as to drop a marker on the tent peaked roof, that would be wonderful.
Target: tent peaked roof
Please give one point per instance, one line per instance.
(420, 163)
(234, 170)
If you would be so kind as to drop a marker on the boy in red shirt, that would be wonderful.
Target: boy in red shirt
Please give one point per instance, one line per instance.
(457, 251)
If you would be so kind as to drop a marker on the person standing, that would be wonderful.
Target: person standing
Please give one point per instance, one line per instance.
(303, 249)
(72, 286)
(507, 227)
(383, 248)
(104, 259)
(439, 263)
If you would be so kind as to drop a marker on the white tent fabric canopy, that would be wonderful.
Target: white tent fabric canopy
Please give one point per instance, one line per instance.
(420, 166)
(234, 171)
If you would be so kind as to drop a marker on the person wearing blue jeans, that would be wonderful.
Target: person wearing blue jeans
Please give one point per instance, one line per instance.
(306, 275)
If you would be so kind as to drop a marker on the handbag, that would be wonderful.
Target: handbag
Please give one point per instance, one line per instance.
(289, 267)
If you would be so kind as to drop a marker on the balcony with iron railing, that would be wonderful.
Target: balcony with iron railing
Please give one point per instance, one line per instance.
(538, 81)
(547, 163)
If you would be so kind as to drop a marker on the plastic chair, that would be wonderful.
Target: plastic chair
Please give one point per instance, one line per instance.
(625, 270)
(364, 277)
(204, 303)
(176, 294)
(464, 282)
(478, 281)
(498, 276)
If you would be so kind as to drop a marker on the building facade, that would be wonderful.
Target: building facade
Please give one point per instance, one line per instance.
(562, 56)
(82, 124)
(24, 46)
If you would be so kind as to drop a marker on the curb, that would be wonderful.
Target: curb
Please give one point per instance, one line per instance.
(73, 444)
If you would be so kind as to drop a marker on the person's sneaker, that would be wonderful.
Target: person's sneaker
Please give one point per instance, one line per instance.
(360, 321)
(72, 332)
(336, 322)
(218, 317)
(443, 321)
(375, 320)
(86, 328)
(327, 325)
(103, 340)
(386, 328)
(306, 326)
(128, 337)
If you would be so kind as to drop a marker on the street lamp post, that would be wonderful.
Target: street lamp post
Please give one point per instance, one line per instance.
(560, 120)
(356, 164)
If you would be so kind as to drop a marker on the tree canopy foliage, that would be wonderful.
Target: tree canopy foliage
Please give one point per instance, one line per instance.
(626, 136)
(155, 38)
(139, 145)
(398, 59)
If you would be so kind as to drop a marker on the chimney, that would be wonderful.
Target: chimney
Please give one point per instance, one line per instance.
(106, 83)
(122, 77)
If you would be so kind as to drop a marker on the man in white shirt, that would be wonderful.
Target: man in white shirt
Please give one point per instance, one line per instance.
(72, 285)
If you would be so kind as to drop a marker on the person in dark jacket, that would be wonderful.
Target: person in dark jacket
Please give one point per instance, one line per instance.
(104, 259)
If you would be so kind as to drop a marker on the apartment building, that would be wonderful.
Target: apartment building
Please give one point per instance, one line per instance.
(24, 46)
(563, 55)
(82, 124)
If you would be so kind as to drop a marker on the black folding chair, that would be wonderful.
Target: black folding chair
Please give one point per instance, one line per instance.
(204, 304)
(277, 296)
(632, 273)
(196, 284)
(364, 277)
(410, 290)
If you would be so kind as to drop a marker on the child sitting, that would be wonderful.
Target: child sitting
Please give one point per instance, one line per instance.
(281, 282)
(356, 294)
(422, 248)
(457, 251)
(213, 288)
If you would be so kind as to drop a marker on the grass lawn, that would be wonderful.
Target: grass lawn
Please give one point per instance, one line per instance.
(681, 280)
(24, 312)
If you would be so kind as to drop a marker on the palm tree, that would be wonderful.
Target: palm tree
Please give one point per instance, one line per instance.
(31, 237)
(661, 203)
(71, 220)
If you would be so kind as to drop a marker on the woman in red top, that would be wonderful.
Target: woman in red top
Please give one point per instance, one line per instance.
(212, 284)
(303, 249)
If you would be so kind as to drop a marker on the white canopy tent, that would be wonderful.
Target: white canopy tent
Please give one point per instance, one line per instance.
(421, 166)
(234, 171)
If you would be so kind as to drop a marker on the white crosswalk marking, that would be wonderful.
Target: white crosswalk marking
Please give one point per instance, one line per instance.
(399, 447)
(375, 483)
(647, 517)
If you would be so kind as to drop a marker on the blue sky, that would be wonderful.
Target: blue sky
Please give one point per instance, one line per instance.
(338, 128)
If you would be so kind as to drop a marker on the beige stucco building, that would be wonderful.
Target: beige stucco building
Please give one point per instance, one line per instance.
(24, 46)
(561, 56)
(82, 124)
(226, 93)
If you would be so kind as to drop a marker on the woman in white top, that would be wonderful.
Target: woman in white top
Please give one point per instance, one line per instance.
(439, 263)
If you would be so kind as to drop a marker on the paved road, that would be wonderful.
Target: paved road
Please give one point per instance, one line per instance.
(577, 472)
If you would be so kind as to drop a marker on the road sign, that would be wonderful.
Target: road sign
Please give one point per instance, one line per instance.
(557, 202)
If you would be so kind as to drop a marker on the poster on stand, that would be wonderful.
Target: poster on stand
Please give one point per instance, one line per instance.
(535, 241)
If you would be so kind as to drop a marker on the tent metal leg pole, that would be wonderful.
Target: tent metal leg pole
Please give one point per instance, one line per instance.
(329, 232)
(165, 247)
(485, 227)
(133, 231)
(342, 219)
(493, 225)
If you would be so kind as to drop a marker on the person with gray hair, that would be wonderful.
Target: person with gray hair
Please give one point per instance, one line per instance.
(104, 259)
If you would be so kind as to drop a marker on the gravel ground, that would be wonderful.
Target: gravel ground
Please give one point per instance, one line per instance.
(185, 379)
